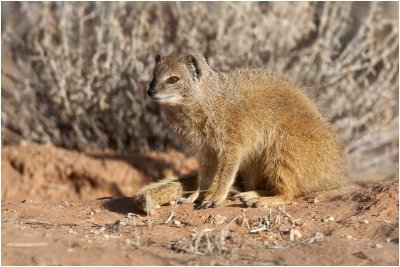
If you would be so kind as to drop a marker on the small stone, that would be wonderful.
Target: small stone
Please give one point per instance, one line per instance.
(318, 236)
(328, 219)
(364, 222)
(47, 235)
(219, 219)
(350, 237)
(140, 224)
(316, 200)
(388, 240)
(157, 206)
(177, 223)
(378, 245)
(215, 219)
(294, 234)
(106, 236)
(298, 222)
(72, 232)
(70, 250)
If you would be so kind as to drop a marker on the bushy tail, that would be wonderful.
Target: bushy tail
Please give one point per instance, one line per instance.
(164, 191)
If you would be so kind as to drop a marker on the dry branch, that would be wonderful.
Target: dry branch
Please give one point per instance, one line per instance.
(87, 66)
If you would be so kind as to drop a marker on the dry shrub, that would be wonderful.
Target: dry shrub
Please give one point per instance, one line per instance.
(87, 65)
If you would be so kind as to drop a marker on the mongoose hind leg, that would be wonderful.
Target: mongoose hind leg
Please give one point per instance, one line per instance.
(245, 196)
(280, 180)
(265, 201)
(259, 198)
(279, 190)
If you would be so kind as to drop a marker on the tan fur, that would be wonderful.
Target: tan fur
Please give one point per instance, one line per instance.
(247, 125)
(164, 191)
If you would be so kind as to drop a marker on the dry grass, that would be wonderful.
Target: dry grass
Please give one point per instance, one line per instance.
(86, 67)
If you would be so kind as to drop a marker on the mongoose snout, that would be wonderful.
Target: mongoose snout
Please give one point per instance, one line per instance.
(249, 125)
(151, 91)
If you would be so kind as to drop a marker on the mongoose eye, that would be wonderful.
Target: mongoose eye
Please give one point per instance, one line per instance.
(172, 79)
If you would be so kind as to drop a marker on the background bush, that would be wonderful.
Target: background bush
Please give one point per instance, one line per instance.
(82, 68)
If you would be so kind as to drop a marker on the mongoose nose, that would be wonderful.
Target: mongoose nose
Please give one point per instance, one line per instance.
(151, 91)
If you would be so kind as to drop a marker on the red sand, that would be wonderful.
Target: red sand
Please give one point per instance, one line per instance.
(59, 207)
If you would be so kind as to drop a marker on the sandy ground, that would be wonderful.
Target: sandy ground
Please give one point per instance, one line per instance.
(62, 207)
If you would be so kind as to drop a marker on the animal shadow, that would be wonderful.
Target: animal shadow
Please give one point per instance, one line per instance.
(122, 205)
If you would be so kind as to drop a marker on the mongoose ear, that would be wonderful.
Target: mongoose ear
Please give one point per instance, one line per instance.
(194, 66)
(157, 58)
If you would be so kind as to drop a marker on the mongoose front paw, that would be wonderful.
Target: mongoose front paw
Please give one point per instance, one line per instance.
(205, 205)
(210, 201)
(259, 202)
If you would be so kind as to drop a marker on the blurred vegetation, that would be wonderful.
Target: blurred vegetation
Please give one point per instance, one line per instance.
(75, 74)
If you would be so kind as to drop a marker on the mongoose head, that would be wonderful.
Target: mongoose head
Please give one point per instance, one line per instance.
(178, 78)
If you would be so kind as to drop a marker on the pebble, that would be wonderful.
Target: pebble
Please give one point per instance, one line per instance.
(47, 235)
(72, 232)
(318, 236)
(328, 219)
(216, 219)
(177, 223)
(294, 234)
(377, 245)
(316, 200)
(298, 222)
(364, 222)
(219, 219)
(348, 237)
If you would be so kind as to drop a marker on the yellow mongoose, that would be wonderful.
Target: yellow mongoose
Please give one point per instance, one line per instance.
(246, 125)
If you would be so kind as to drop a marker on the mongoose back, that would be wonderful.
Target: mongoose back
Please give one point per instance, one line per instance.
(248, 126)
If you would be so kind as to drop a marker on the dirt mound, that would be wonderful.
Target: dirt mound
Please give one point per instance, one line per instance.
(67, 225)
(47, 173)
